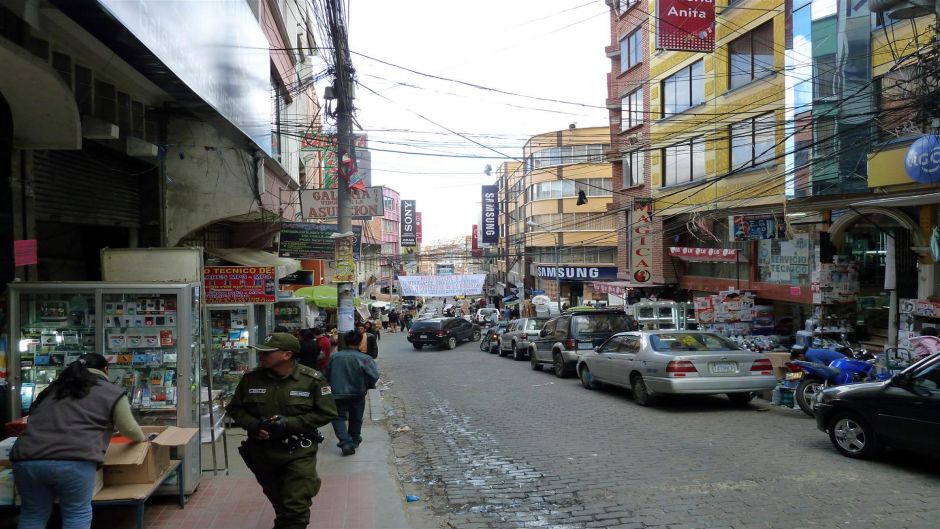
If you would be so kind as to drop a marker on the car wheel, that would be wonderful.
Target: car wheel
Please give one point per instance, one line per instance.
(499, 348)
(587, 378)
(806, 394)
(853, 437)
(484, 345)
(417, 346)
(740, 399)
(558, 365)
(534, 362)
(641, 393)
(517, 355)
(451, 342)
(476, 336)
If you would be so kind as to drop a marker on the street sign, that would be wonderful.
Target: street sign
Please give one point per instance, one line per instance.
(537, 292)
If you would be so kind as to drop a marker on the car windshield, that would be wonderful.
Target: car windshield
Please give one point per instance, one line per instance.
(425, 325)
(589, 324)
(690, 342)
(534, 325)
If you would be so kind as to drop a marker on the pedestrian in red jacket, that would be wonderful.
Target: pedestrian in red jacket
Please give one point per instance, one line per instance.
(326, 347)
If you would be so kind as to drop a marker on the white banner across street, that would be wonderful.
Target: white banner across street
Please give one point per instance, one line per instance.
(445, 285)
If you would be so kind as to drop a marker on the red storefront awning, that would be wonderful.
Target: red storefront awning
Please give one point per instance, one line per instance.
(617, 288)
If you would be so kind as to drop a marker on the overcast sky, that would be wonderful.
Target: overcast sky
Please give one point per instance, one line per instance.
(548, 48)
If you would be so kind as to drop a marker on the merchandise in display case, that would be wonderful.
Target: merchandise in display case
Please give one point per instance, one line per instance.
(291, 313)
(150, 334)
(231, 330)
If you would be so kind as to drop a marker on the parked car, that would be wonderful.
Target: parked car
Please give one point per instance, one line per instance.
(518, 338)
(484, 315)
(564, 338)
(491, 334)
(654, 363)
(903, 412)
(442, 332)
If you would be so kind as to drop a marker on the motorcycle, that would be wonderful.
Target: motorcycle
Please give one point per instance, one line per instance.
(857, 367)
(486, 341)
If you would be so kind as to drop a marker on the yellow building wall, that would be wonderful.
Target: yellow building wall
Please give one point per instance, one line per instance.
(901, 37)
(720, 109)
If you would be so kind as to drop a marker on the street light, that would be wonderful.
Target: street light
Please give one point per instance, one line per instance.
(534, 224)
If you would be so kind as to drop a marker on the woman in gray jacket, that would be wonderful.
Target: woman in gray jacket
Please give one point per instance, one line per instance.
(65, 441)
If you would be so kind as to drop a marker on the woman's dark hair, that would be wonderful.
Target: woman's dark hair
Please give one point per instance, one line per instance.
(76, 380)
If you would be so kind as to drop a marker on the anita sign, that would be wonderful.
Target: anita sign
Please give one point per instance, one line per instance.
(578, 273)
(922, 161)
(641, 241)
(685, 25)
(490, 215)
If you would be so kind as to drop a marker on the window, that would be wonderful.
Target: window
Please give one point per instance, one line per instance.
(63, 64)
(684, 89)
(570, 154)
(631, 110)
(388, 203)
(631, 50)
(825, 68)
(105, 101)
(633, 169)
(751, 56)
(897, 118)
(684, 162)
(752, 142)
(624, 5)
(825, 137)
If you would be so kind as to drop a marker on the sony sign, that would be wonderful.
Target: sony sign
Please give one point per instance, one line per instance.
(408, 231)
(490, 215)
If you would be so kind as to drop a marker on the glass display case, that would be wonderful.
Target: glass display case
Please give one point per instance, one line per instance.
(292, 313)
(232, 328)
(662, 315)
(150, 334)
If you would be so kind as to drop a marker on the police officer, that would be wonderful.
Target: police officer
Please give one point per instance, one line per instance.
(281, 404)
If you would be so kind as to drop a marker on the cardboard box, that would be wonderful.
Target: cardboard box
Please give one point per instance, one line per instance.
(130, 463)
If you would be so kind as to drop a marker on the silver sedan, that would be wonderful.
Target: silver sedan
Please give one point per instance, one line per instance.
(655, 363)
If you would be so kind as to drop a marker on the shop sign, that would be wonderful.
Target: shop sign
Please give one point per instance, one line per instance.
(418, 228)
(641, 241)
(300, 277)
(306, 240)
(577, 273)
(755, 227)
(922, 162)
(240, 284)
(25, 252)
(344, 264)
(474, 238)
(408, 237)
(607, 288)
(490, 214)
(325, 145)
(706, 255)
(318, 204)
(685, 25)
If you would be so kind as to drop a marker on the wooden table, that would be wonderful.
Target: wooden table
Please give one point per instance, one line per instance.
(138, 494)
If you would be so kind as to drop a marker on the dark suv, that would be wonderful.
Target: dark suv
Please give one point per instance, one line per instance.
(563, 338)
(442, 332)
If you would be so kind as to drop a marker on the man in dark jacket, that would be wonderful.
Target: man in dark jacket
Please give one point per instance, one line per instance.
(309, 349)
(351, 374)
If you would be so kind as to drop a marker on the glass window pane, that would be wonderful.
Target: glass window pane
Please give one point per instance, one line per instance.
(740, 144)
(624, 54)
(568, 188)
(698, 83)
(739, 57)
(698, 159)
(764, 139)
(669, 97)
(763, 50)
(669, 166)
(683, 94)
(684, 163)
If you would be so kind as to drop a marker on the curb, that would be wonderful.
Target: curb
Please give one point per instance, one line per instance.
(376, 408)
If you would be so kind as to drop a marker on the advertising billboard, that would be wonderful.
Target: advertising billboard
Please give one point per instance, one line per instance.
(490, 215)
(685, 25)
(408, 231)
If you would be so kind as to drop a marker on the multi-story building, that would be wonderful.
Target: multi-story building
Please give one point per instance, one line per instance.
(559, 242)
(122, 125)
(381, 251)
(717, 142)
(640, 256)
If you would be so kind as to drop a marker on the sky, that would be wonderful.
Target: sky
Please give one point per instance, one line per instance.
(550, 49)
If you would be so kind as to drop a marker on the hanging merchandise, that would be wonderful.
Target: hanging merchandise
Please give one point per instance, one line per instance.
(935, 243)
(729, 312)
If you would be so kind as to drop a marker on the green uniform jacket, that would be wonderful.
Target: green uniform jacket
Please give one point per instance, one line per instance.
(303, 396)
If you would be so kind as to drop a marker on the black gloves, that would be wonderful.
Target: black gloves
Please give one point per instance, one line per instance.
(276, 425)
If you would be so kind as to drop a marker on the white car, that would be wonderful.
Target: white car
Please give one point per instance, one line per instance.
(654, 363)
(484, 315)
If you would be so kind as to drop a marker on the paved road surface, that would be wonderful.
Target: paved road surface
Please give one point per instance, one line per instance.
(518, 448)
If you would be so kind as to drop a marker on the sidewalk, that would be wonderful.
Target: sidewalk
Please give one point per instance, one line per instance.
(358, 492)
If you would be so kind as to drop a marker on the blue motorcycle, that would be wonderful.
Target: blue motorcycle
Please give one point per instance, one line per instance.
(854, 369)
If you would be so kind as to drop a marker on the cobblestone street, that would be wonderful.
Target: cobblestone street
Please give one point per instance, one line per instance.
(511, 447)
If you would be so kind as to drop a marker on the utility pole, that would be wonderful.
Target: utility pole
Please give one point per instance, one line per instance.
(346, 158)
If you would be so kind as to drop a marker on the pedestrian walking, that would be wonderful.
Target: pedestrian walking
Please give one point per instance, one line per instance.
(309, 349)
(281, 404)
(407, 319)
(393, 320)
(70, 427)
(351, 375)
(384, 320)
(369, 343)
(325, 342)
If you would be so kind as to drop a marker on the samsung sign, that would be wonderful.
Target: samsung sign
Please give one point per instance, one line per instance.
(490, 215)
(215, 47)
(577, 273)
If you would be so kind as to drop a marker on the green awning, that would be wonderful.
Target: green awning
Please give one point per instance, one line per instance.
(323, 296)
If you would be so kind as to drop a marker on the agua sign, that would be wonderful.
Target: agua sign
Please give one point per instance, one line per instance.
(922, 161)
(685, 25)
(641, 241)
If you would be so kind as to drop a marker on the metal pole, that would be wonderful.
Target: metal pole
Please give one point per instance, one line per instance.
(344, 140)
(557, 277)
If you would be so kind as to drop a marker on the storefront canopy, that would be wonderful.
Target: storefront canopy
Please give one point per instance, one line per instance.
(255, 257)
(323, 296)
(617, 288)
(705, 255)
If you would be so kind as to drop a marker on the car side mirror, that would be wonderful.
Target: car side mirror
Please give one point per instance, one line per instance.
(597, 349)
(902, 380)
(543, 333)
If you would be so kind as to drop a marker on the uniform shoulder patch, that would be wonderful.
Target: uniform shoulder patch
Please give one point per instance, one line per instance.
(311, 372)
(326, 390)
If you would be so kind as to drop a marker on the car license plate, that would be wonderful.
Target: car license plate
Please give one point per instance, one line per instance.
(723, 367)
(796, 375)
(423, 336)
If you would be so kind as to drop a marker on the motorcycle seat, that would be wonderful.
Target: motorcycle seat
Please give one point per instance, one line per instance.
(833, 372)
